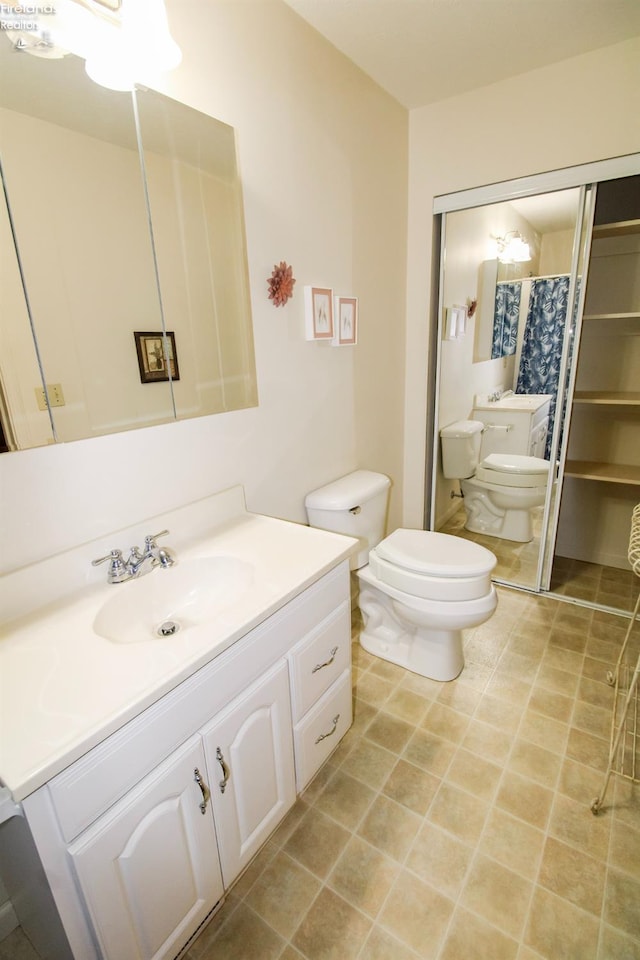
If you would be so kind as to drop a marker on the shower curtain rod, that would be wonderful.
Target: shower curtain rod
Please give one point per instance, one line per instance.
(548, 276)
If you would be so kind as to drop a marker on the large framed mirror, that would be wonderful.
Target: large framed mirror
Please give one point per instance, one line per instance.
(499, 372)
(533, 439)
(122, 222)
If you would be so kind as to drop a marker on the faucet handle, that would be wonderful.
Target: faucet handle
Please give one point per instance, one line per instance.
(150, 541)
(114, 555)
(117, 567)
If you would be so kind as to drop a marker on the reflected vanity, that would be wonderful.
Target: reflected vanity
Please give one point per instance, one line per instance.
(122, 215)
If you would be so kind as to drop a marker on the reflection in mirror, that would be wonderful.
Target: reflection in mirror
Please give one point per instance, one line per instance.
(196, 213)
(498, 376)
(72, 177)
(78, 252)
(19, 362)
(572, 338)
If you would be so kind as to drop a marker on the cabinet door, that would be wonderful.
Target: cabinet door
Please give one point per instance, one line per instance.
(249, 749)
(149, 868)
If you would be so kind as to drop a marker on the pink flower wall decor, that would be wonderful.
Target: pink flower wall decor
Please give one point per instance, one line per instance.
(281, 284)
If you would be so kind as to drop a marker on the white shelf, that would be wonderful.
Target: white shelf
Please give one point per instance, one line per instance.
(622, 228)
(607, 472)
(611, 316)
(616, 398)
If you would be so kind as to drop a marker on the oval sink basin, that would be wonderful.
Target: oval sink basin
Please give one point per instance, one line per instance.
(516, 401)
(166, 602)
(523, 401)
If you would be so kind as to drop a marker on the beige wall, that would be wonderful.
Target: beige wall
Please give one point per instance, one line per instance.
(510, 129)
(323, 157)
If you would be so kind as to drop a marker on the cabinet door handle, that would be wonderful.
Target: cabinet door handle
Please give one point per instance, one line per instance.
(327, 663)
(206, 793)
(226, 773)
(323, 736)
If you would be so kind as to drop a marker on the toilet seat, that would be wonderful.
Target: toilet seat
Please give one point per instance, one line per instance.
(513, 470)
(433, 566)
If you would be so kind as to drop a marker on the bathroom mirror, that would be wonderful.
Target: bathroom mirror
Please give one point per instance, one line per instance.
(510, 342)
(87, 277)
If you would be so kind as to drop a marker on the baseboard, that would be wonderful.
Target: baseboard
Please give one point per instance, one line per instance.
(448, 514)
(618, 560)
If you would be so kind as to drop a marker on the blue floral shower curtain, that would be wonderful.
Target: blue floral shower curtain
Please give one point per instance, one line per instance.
(505, 319)
(539, 370)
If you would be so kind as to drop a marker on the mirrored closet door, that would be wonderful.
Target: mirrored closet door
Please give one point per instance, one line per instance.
(535, 442)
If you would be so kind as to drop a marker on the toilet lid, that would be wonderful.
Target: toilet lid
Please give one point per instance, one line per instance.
(436, 554)
(515, 464)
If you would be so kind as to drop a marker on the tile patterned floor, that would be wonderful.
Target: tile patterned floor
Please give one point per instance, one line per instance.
(454, 819)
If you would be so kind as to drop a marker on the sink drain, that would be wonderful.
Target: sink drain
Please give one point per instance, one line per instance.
(168, 628)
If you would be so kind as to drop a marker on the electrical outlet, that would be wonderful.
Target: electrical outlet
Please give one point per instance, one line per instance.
(56, 396)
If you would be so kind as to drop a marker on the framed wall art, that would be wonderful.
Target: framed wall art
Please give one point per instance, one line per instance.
(318, 313)
(154, 365)
(346, 321)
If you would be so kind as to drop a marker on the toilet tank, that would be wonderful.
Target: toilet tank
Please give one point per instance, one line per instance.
(461, 448)
(355, 505)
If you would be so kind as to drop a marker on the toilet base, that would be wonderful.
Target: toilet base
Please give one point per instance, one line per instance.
(513, 525)
(501, 511)
(436, 654)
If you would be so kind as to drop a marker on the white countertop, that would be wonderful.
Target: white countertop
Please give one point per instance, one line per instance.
(64, 688)
(514, 402)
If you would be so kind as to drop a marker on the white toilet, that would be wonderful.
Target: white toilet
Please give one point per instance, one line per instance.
(419, 590)
(500, 490)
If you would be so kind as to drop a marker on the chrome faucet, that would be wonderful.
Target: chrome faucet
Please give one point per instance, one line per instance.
(159, 556)
(139, 561)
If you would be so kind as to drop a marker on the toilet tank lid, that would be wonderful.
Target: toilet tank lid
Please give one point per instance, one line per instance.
(461, 428)
(348, 492)
(436, 554)
(515, 463)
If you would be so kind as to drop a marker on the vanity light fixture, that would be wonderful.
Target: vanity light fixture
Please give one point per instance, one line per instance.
(513, 248)
(121, 41)
(138, 47)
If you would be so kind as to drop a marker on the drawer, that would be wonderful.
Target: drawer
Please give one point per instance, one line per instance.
(320, 731)
(319, 659)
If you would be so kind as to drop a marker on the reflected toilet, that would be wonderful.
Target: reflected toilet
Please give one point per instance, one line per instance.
(500, 490)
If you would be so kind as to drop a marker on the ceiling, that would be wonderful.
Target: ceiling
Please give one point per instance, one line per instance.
(421, 51)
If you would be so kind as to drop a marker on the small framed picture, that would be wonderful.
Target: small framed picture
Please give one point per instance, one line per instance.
(318, 313)
(346, 322)
(157, 357)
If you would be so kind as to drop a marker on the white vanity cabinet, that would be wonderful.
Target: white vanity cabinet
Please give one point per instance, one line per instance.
(251, 769)
(320, 666)
(149, 868)
(141, 836)
(517, 425)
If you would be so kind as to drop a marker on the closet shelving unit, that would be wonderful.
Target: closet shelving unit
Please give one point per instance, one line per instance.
(611, 324)
(624, 751)
(601, 472)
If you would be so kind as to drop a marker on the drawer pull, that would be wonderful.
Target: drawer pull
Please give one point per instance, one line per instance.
(327, 663)
(206, 793)
(323, 736)
(226, 773)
